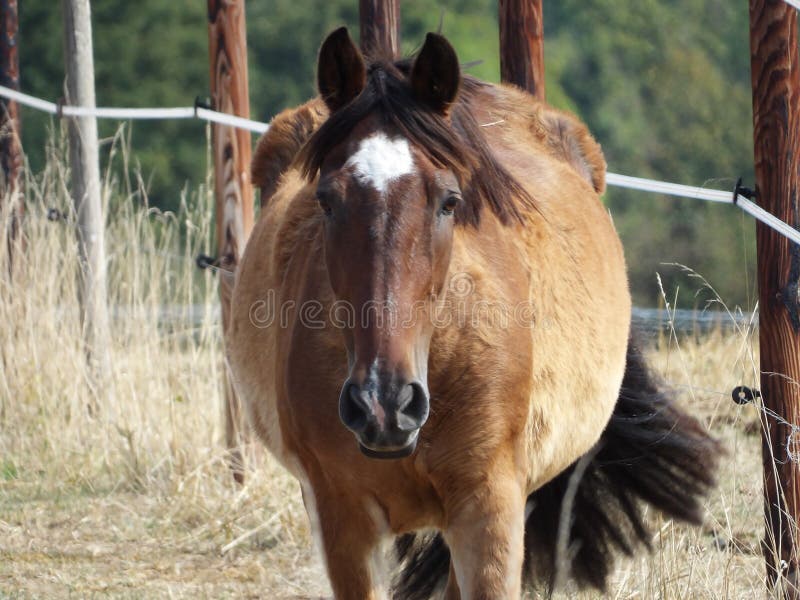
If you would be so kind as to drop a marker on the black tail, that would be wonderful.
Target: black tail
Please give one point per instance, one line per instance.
(650, 452)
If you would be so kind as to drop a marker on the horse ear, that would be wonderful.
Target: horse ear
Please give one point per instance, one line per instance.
(436, 74)
(341, 72)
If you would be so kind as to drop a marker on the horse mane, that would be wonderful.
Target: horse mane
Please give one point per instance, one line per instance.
(455, 141)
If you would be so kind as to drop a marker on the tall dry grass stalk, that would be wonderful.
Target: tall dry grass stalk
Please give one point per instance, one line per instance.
(125, 491)
(141, 463)
(159, 368)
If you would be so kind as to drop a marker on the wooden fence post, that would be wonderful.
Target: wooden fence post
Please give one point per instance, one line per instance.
(227, 45)
(775, 75)
(10, 147)
(85, 167)
(522, 44)
(380, 27)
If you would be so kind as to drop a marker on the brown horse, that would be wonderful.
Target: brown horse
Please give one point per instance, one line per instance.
(434, 281)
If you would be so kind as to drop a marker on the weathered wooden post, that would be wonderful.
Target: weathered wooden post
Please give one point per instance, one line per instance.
(522, 44)
(227, 46)
(10, 147)
(85, 168)
(775, 75)
(380, 27)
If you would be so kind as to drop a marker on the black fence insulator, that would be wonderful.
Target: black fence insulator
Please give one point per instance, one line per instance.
(742, 394)
(203, 261)
(740, 190)
(202, 102)
(53, 214)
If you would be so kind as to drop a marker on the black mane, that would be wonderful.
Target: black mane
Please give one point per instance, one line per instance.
(456, 143)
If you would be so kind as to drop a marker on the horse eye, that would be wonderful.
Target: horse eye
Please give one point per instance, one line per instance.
(450, 204)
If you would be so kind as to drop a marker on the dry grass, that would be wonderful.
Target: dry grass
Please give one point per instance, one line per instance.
(135, 499)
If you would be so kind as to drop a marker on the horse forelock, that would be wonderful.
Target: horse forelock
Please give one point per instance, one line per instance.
(455, 141)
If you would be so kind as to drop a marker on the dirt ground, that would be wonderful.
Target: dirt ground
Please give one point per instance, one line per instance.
(83, 542)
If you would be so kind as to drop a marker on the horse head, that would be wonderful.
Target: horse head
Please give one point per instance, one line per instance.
(388, 208)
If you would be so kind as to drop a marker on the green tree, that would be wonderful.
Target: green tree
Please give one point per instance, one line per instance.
(663, 86)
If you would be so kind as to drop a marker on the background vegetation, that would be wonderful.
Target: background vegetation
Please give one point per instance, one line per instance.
(663, 86)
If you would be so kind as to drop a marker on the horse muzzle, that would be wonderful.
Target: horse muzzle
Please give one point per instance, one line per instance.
(385, 416)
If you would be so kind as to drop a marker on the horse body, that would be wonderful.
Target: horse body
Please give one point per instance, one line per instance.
(522, 365)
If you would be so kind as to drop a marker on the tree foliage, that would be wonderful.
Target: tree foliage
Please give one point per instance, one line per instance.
(663, 86)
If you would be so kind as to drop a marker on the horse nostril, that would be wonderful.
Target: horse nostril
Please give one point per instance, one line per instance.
(353, 410)
(413, 407)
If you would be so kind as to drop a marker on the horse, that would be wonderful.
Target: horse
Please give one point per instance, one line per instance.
(430, 330)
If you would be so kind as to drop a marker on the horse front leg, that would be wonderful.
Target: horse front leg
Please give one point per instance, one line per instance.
(349, 531)
(486, 536)
(452, 592)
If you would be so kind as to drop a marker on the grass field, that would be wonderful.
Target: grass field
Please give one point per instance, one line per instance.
(124, 491)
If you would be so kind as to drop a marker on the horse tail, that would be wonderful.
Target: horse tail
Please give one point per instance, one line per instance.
(651, 452)
(424, 561)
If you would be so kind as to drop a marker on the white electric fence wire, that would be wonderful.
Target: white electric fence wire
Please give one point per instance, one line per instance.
(232, 120)
(699, 193)
(670, 189)
(794, 3)
(768, 219)
(191, 112)
(615, 179)
(27, 100)
(129, 113)
(181, 112)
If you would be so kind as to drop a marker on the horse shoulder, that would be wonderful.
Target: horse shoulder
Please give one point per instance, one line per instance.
(277, 148)
(258, 306)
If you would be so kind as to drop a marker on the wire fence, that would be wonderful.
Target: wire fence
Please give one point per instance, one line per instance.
(794, 3)
(792, 445)
(124, 114)
(709, 195)
(205, 114)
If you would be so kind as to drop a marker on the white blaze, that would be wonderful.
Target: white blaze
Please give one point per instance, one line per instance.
(380, 160)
